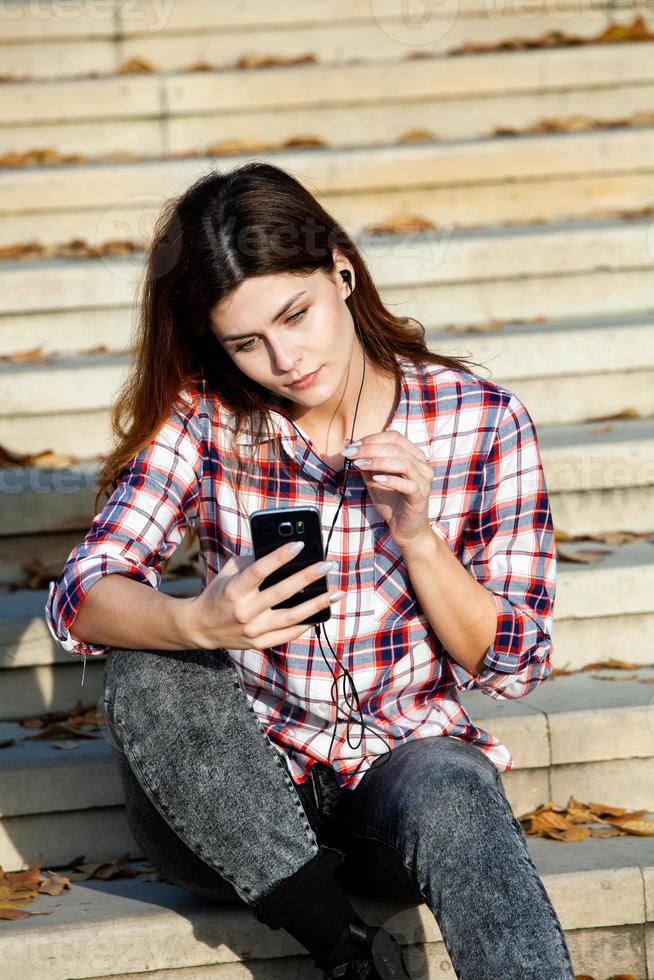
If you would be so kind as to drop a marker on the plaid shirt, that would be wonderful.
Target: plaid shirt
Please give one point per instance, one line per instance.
(489, 502)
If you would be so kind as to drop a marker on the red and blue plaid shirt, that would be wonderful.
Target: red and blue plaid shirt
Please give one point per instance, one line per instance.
(489, 502)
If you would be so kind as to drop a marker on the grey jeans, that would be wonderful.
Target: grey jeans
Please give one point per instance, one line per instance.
(212, 805)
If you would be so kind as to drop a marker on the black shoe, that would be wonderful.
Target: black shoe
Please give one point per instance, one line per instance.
(378, 956)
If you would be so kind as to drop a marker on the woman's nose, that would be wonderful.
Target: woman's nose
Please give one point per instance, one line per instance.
(286, 358)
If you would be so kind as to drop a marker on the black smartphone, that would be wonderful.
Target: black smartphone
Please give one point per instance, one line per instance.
(270, 530)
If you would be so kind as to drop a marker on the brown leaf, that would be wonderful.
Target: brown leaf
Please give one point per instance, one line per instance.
(571, 835)
(608, 677)
(35, 354)
(136, 64)
(235, 146)
(416, 136)
(638, 30)
(103, 870)
(249, 61)
(301, 141)
(400, 224)
(587, 556)
(199, 66)
(40, 157)
(578, 812)
(45, 459)
(605, 812)
(550, 821)
(639, 828)
(566, 823)
(54, 884)
(72, 722)
(613, 664)
(12, 913)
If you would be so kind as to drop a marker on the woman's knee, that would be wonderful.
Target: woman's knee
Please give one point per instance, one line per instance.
(450, 793)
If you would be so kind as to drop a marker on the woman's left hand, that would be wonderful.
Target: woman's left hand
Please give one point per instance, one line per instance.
(403, 498)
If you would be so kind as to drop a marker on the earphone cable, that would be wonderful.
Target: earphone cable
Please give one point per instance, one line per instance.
(346, 673)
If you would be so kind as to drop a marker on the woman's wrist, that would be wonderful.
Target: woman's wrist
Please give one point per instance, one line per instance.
(190, 625)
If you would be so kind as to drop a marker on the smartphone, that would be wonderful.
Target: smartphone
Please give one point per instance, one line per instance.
(270, 530)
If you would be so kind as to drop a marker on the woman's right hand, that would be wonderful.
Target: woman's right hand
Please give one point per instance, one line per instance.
(232, 612)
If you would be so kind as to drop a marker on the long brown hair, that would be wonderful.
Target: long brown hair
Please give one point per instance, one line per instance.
(226, 227)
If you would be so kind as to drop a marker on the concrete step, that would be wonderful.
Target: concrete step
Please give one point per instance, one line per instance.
(603, 610)
(582, 399)
(602, 891)
(37, 558)
(406, 267)
(94, 324)
(532, 178)
(174, 36)
(573, 735)
(451, 98)
(599, 476)
(62, 404)
(522, 351)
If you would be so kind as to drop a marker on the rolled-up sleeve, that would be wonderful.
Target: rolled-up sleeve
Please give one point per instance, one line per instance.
(139, 527)
(509, 547)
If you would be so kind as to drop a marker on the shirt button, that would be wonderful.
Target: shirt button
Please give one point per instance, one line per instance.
(324, 710)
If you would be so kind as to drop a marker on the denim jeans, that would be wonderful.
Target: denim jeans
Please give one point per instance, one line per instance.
(212, 805)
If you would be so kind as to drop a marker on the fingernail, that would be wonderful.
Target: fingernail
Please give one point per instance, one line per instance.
(349, 451)
(336, 596)
(296, 547)
(326, 566)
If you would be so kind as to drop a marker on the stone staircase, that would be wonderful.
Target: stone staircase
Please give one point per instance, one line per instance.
(505, 198)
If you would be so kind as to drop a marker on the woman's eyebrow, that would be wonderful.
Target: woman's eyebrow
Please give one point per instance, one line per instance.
(285, 307)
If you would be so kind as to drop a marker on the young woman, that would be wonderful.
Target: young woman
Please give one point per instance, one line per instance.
(232, 721)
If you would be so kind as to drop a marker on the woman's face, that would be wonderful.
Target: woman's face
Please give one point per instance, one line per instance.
(288, 326)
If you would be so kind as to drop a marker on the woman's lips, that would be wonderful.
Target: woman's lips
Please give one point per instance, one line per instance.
(304, 383)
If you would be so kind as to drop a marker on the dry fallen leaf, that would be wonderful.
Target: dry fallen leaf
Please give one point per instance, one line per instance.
(401, 224)
(104, 870)
(40, 156)
(72, 722)
(136, 64)
(567, 823)
(249, 61)
(235, 146)
(19, 888)
(569, 836)
(44, 459)
(416, 136)
(637, 30)
(610, 677)
(586, 555)
(613, 663)
(606, 832)
(640, 828)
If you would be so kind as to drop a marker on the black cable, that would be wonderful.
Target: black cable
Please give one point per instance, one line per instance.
(346, 672)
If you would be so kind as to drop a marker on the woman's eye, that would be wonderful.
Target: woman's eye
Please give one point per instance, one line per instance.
(292, 319)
